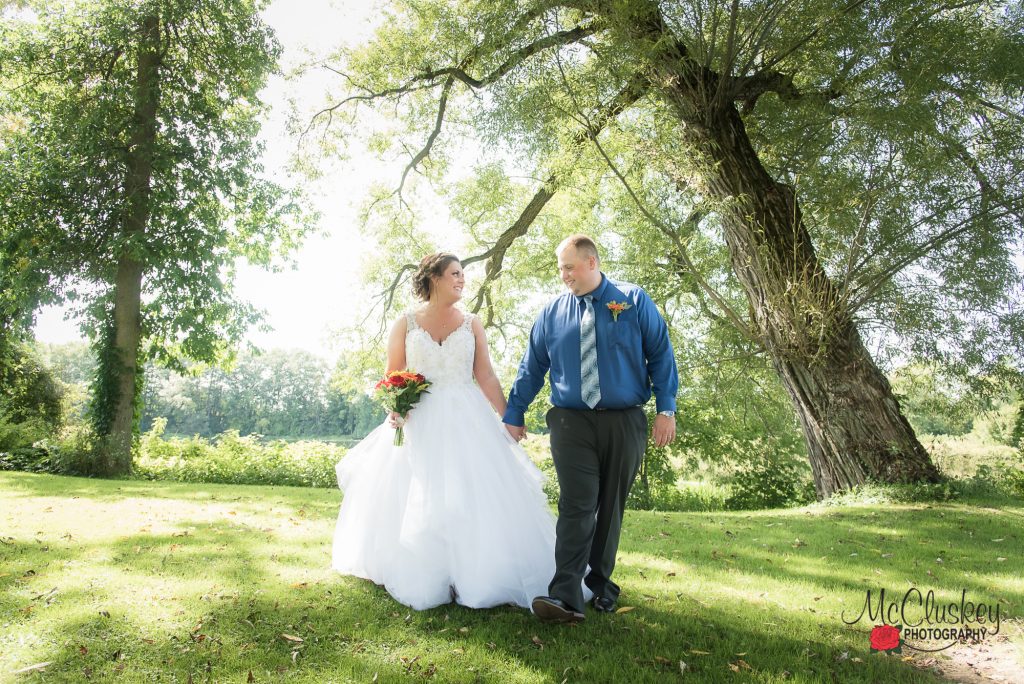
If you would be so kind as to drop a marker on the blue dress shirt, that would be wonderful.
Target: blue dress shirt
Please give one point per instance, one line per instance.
(634, 354)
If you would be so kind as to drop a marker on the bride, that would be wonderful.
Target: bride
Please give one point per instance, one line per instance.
(458, 512)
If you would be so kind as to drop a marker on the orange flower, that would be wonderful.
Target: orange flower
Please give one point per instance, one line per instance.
(618, 307)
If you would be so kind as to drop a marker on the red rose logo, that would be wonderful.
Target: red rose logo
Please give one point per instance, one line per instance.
(885, 638)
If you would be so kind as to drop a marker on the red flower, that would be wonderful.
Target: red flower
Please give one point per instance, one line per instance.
(399, 391)
(885, 638)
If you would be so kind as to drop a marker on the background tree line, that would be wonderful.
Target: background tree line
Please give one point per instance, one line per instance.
(280, 394)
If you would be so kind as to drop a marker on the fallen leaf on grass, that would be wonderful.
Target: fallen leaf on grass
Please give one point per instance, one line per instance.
(250, 678)
(293, 639)
(537, 642)
(38, 667)
(624, 609)
(695, 651)
(740, 664)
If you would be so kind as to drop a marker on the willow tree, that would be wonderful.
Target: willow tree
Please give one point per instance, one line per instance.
(844, 153)
(131, 182)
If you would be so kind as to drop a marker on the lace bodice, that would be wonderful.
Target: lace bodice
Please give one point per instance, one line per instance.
(450, 362)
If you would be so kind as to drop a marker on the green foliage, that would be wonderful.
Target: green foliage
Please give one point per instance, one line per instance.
(31, 408)
(29, 390)
(1017, 434)
(770, 480)
(902, 153)
(233, 459)
(934, 404)
(279, 393)
(655, 485)
(23, 434)
(72, 139)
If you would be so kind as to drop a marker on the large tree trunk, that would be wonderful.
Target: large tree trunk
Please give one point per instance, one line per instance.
(851, 420)
(120, 416)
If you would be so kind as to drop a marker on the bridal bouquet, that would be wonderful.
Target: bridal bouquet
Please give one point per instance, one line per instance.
(399, 391)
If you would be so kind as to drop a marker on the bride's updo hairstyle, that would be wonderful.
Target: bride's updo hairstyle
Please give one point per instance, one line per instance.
(432, 266)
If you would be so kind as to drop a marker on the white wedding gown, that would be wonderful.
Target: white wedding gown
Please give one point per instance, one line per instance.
(458, 512)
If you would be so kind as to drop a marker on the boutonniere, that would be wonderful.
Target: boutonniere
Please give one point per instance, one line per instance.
(618, 307)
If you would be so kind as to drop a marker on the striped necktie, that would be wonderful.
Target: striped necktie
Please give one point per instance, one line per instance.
(590, 385)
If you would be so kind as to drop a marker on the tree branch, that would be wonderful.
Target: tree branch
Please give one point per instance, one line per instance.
(681, 250)
(429, 79)
(631, 92)
(422, 154)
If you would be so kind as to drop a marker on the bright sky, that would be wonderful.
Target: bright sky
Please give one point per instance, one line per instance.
(305, 303)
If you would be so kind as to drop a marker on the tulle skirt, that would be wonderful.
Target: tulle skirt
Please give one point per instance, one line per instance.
(456, 513)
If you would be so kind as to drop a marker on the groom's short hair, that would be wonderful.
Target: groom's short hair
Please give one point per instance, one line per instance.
(581, 243)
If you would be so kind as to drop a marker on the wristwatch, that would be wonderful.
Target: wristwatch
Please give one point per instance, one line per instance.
(670, 414)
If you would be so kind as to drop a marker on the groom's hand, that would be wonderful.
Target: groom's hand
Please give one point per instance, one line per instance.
(664, 430)
(518, 432)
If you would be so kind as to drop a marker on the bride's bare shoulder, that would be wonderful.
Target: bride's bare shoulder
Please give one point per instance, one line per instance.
(403, 323)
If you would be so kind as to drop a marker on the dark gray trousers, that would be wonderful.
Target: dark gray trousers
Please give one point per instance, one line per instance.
(597, 455)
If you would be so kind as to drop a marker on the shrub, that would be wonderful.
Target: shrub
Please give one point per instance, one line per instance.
(771, 479)
(655, 486)
(233, 459)
(21, 434)
(1017, 434)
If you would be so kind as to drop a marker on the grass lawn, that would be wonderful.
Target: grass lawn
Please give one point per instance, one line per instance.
(127, 581)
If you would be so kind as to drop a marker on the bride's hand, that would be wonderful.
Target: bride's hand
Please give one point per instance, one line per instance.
(395, 420)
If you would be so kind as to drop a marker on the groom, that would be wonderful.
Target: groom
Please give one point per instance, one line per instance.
(606, 347)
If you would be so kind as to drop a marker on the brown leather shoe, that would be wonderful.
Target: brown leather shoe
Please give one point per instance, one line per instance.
(555, 611)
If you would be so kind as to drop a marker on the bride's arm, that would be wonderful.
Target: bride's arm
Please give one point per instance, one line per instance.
(396, 346)
(484, 372)
(396, 359)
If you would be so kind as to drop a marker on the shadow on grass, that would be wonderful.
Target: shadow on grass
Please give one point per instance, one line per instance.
(228, 598)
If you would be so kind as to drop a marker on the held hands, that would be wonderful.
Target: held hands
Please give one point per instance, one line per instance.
(517, 432)
(395, 420)
(664, 430)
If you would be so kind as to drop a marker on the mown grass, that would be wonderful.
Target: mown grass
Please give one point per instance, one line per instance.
(131, 581)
